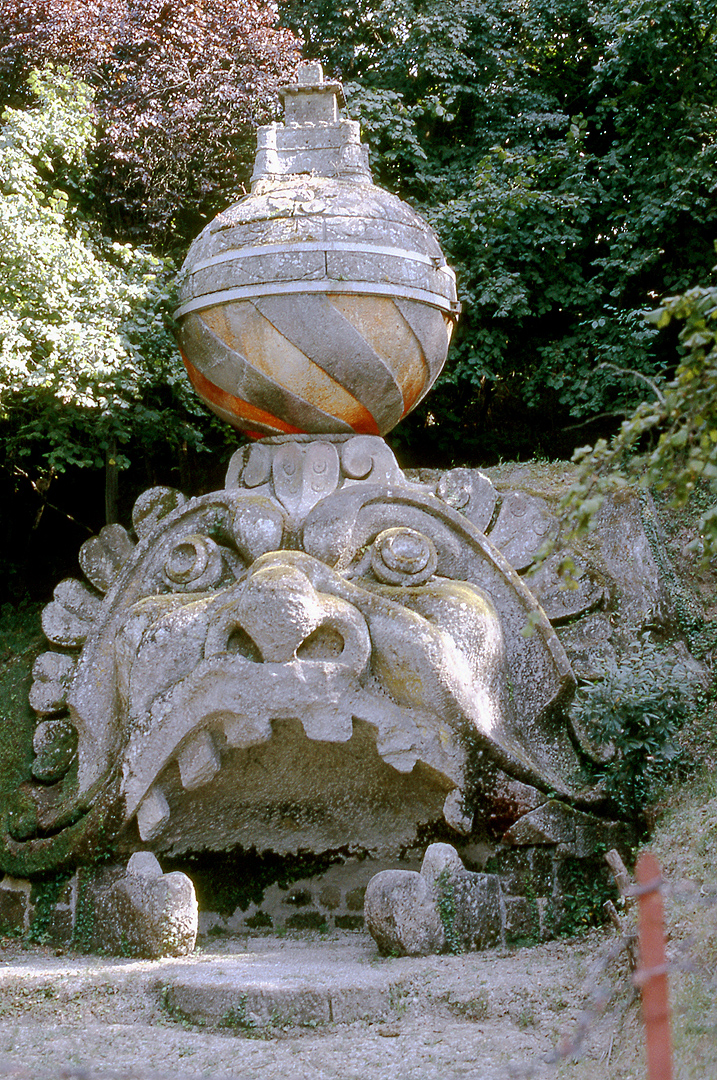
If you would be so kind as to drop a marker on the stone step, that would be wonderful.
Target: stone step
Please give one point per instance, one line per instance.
(283, 984)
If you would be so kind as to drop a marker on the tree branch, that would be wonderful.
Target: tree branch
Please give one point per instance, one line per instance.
(592, 419)
(636, 375)
(47, 504)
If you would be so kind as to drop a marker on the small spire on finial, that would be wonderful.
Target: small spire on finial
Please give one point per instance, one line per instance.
(301, 144)
(310, 73)
(310, 100)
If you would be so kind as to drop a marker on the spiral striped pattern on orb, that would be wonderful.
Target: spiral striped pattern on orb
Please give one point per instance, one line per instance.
(330, 362)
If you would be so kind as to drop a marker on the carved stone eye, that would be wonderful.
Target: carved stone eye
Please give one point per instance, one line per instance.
(196, 561)
(402, 556)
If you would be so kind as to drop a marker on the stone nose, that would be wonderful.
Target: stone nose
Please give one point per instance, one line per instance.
(279, 609)
(286, 619)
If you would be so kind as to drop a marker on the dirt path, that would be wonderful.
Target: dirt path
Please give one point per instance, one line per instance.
(489, 1015)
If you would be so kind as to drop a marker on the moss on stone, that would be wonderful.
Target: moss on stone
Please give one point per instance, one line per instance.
(21, 640)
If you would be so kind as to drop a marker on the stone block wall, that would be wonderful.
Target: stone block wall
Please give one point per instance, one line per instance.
(535, 882)
(331, 900)
(41, 911)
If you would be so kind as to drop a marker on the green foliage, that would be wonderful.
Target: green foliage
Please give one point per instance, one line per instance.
(238, 1019)
(179, 91)
(446, 903)
(692, 621)
(144, 135)
(84, 930)
(565, 153)
(88, 364)
(669, 442)
(44, 895)
(635, 712)
(80, 318)
(586, 885)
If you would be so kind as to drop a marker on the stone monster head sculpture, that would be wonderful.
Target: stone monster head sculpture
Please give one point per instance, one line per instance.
(321, 656)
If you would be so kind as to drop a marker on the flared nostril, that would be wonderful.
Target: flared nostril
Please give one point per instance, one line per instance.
(241, 644)
(325, 643)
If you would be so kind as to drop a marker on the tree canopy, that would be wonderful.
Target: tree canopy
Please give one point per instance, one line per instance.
(179, 89)
(565, 152)
(670, 441)
(87, 361)
(90, 375)
(126, 125)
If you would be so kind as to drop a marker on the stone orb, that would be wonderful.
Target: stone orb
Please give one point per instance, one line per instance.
(315, 305)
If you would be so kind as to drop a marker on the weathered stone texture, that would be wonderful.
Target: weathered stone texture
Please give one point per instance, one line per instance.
(442, 908)
(14, 905)
(402, 914)
(139, 911)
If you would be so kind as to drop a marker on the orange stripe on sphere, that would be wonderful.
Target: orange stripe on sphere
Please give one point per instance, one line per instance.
(241, 409)
(241, 327)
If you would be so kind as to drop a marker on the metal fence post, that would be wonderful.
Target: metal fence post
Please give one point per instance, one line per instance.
(651, 976)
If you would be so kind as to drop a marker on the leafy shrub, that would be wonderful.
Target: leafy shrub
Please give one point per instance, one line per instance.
(179, 89)
(83, 334)
(635, 712)
(586, 886)
(565, 153)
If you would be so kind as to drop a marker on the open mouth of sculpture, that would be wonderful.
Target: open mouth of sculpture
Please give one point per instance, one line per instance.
(291, 788)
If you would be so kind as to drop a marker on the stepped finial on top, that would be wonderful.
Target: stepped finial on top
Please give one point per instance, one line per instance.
(310, 99)
(313, 138)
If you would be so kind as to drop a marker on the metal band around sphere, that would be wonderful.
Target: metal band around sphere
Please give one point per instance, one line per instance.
(365, 288)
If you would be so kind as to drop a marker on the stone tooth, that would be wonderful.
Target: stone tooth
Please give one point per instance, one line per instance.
(198, 761)
(244, 731)
(396, 749)
(153, 814)
(328, 725)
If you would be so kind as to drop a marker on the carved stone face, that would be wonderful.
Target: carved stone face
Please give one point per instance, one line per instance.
(318, 657)
(293, 640)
